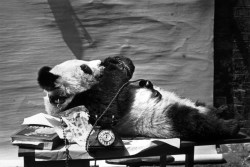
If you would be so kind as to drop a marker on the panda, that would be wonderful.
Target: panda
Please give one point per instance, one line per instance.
(140, 109)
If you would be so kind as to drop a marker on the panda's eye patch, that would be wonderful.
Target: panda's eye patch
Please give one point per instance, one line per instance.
(86, 69)
(57, 99)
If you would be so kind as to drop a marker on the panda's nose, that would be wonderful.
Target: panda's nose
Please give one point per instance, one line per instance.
(146, 83)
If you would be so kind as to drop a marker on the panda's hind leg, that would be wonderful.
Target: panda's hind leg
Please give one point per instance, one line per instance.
(189, 124)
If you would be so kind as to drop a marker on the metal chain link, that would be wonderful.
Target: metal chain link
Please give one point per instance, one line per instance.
(66, 144)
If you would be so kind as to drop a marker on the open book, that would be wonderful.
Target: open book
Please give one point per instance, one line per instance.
(42, 119)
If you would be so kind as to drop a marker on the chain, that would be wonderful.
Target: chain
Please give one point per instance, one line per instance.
(66, 144)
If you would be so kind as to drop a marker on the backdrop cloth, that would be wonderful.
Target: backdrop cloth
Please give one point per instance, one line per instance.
(170, 42)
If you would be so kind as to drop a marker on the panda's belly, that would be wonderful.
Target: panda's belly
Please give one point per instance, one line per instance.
(146, 117)
(148, 114)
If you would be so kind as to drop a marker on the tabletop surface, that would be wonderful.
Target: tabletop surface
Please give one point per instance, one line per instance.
(155, 148)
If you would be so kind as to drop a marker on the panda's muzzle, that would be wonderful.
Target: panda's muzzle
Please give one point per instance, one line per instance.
(57, 100)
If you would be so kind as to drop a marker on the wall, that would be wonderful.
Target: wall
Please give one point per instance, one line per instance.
(232, 68)
(232, 56)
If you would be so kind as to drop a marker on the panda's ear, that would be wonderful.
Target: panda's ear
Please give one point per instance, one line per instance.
(46, 79)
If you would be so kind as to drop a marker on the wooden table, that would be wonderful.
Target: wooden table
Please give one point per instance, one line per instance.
(159, 149)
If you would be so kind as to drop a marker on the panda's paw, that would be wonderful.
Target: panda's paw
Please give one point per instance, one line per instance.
(146, 84)
(114, 63)
(120, 63)
(110, 61)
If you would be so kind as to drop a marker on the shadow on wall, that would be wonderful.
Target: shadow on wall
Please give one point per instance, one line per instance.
(73, 32)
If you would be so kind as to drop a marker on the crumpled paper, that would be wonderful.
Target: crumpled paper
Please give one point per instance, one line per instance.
(78, 128)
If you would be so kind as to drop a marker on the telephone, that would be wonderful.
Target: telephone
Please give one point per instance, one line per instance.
(104, 138)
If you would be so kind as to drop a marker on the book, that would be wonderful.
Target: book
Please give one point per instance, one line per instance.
(37, 137)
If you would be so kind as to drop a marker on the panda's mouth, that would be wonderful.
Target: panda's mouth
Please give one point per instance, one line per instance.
(57, 100)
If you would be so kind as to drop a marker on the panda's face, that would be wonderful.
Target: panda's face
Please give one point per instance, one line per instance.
(77, 75)
(62, 82)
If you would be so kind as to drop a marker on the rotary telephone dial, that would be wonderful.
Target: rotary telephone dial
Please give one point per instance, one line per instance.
(104, 137)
